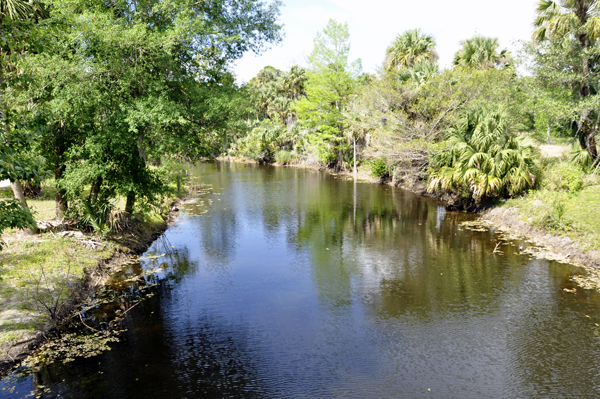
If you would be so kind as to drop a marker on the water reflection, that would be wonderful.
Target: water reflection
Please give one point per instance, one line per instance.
(296, 284)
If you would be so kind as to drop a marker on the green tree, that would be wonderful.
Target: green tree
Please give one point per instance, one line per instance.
(18, 24)
(419, 73)
(332, 82)
(126, 86)
(567, 56)
(481, 52)
(409, 48)
(483, 157)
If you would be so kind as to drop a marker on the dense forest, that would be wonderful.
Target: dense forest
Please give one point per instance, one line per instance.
(110, 100)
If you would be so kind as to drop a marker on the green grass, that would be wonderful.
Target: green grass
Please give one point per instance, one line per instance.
(574, 215)
(35, 269)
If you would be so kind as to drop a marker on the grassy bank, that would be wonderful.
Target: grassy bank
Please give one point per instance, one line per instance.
(561, 213)
(44, 276)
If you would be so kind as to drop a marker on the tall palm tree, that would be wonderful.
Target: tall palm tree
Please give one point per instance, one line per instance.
(579, 19)
(481, 52)
(409, 48)
(484, 158)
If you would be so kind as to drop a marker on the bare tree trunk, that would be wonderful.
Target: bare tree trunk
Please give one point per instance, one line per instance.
(178, 185)
(17, 189)
(548, 131)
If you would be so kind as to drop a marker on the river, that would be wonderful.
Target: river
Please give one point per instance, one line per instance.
(288, 283)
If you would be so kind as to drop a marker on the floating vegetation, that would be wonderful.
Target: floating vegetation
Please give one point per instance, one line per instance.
(508, 236)
(589, 281)
(71, 346)
(476, 225)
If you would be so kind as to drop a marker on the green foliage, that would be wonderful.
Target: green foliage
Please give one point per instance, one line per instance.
(484, 158)
(481, 53)
(14, 216)
(93, 215)
(582, 158)
(563, 176)
(123, 89)
(419, 73)
(565, 52)
(284, 157)
(409, 48)
(263, 142)
(330, 86)
(380, 169)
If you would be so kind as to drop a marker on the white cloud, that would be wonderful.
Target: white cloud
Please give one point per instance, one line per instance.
(374, 24)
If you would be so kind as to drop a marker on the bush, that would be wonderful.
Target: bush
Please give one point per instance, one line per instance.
(380, 169)
(484, 157)
(563, 176)
(284, 156)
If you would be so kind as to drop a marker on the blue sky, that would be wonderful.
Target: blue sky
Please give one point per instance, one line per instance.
(373, 25)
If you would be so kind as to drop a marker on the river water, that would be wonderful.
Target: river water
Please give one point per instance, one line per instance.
(287, 283)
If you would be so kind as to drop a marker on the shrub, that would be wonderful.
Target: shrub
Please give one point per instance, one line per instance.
(380, 169)
(284, 156)
(484, 157)
(563, 176)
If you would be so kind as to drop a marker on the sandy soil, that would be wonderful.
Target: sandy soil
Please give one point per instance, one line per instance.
(552, 150)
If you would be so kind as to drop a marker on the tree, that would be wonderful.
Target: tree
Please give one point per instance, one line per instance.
(359, 126)
(484, 157)
(481, 52)
(419, 73)
(126, 86)
(409, 48)
(567, 54)
(18, 20)
(330, 86)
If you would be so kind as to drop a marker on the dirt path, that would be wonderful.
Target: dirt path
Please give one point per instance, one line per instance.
(553, 150)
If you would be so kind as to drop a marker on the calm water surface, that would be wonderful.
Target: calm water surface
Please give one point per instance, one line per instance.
(285, 283)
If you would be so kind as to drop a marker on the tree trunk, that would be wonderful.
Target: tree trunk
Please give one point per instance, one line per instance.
(587, 141)
(31, 190)
(17, 189)
(95, 189)
(62, 206)
(548, 132)
(591, 146)
(178, 185)
(130, 202)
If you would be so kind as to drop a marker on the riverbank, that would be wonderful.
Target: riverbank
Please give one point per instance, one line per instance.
(44, 277)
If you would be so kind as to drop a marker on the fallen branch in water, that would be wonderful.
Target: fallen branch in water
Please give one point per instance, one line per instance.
(82, 322)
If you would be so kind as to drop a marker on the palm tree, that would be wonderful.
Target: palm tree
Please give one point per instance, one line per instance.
(293, 82)
(579, 19)
(484, 158)
(419, 73)
(482, 53)
(409, 48)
